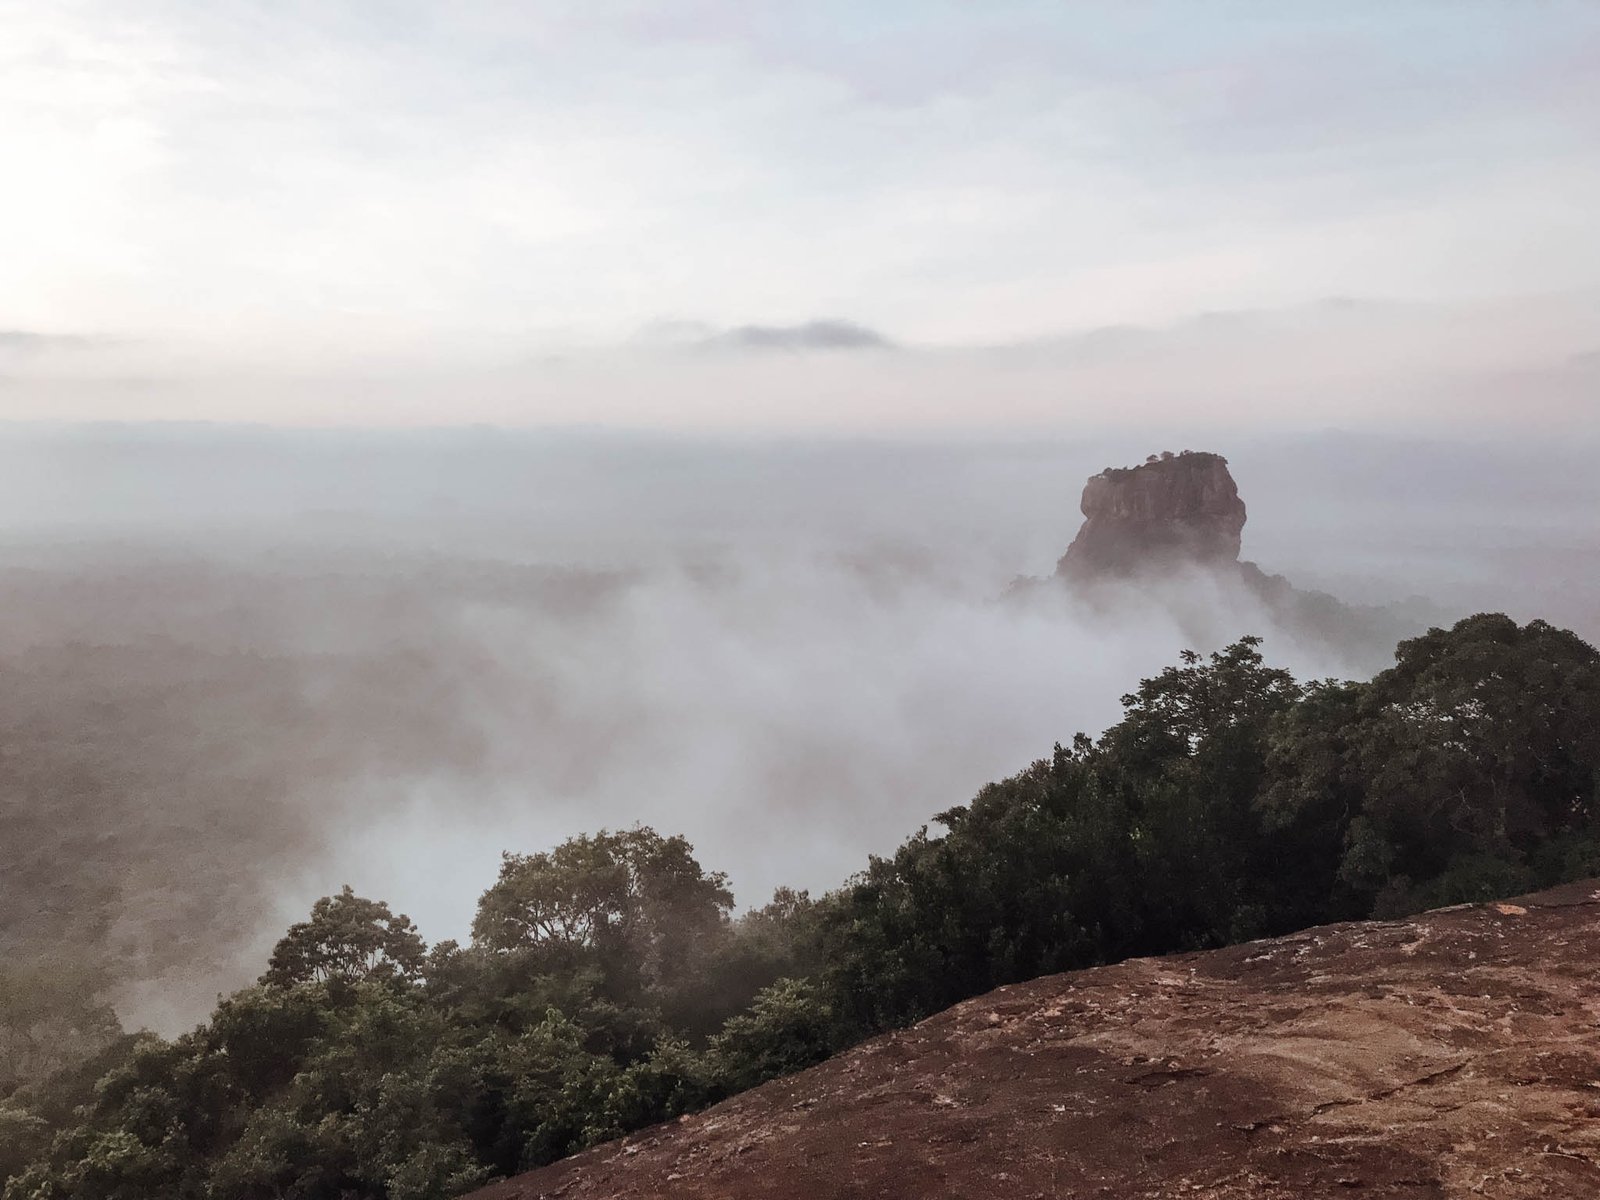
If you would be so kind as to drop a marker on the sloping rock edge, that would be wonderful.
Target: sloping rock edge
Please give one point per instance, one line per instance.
(1451, 1054)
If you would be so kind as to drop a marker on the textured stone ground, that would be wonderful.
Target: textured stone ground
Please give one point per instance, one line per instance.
(1454, 1054)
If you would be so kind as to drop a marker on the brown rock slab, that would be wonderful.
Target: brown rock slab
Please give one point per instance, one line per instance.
(1453, 1054)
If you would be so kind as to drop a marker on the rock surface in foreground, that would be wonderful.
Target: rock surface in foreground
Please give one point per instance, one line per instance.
(1454, 1054)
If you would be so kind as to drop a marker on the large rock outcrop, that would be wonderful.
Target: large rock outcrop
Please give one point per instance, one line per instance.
(1449, 1055)
(1154, 527)
(1175, 510)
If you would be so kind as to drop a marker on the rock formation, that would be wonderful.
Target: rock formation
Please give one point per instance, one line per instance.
(1152, 526)
(1174, 510)
(1451, 1054)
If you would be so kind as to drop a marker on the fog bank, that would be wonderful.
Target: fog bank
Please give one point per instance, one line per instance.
(246, 666)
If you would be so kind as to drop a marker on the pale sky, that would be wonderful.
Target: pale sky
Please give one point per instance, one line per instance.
(464, 199)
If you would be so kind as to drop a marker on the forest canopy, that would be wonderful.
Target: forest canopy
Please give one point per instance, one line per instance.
(608, 984)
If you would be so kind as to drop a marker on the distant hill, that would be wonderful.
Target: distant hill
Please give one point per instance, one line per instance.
(1450, 1054)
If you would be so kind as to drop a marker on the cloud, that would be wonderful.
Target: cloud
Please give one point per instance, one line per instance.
(821, 334)
(812, 335)
(255, 184)
(1334, 315)
(23, 341)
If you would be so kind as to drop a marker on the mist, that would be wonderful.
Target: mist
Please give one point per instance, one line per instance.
(246, 666)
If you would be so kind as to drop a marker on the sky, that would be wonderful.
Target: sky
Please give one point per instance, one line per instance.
(721, 214)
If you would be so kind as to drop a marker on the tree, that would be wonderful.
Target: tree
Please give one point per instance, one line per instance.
(1186, 762)
(789, 1027)
(348, 937)
(637, 901)
(1460, 770)
(1143, 842)
(265, 1034)
(1205, 706)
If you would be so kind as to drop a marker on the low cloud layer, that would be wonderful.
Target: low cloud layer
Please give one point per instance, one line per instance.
(250, 666)
(1492, 367)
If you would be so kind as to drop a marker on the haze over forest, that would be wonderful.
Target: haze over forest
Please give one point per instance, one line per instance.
(247, 666)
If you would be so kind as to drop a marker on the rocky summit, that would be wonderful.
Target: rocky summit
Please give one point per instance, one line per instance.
(1175, 509)
(1453, 1054)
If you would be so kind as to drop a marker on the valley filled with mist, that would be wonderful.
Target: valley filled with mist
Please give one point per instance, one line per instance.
(244, 667)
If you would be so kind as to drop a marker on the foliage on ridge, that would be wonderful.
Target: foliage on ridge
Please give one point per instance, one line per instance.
(607, 985)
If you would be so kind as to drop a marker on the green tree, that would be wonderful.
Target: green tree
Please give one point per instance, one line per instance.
(1460, 768)
(788, 1028)
(1188, 760)
(636, 902)
(348, 937)
(1143, 842)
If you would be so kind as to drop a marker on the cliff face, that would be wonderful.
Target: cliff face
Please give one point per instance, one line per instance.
(1176, 509)
(1451, 1054)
